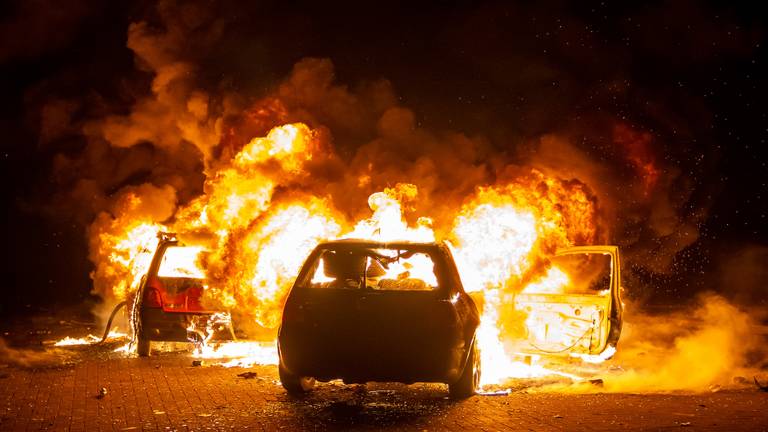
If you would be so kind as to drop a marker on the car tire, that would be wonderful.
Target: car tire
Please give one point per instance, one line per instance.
(293, 384)
(143, 346)
(469, 381)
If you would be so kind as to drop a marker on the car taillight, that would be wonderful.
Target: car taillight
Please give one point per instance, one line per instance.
(152, 298)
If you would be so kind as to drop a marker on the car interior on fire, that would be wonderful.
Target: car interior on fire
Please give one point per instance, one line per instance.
(170, 304)
(374, 269)
(180, 280)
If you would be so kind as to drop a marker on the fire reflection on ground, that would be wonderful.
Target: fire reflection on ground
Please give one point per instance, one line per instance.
(652, 358)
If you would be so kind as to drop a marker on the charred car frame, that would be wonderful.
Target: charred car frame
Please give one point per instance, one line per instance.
(168, 304)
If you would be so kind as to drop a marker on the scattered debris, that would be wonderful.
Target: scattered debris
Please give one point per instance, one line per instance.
(760, 386)
(740, 380)
(495, 392)
(344, 409)
(598, 382)
(248, 375)
(102, 393)
(382, 405)
(382, 392)
(197, 362)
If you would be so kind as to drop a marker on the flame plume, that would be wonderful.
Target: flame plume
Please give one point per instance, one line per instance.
(259, 231)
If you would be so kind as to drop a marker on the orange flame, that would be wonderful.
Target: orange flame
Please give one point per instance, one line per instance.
(261, 235)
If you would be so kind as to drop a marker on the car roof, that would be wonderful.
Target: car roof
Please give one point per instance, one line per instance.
(588, 249)
(184, 240)
(374, 243)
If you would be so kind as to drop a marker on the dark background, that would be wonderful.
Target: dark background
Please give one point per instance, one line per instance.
(691, 73)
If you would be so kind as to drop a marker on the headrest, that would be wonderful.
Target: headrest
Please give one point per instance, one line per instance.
(343, 264)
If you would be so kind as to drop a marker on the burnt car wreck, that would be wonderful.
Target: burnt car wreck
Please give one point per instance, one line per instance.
(168, 304)
(576, 308)
(369, 311)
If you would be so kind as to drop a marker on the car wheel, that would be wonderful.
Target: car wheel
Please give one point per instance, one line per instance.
(469, 380)
(294, 384)
(143, 345)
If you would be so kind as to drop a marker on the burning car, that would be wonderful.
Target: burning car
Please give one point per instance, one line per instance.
(575, 308)
(370, 311)
(167, 305)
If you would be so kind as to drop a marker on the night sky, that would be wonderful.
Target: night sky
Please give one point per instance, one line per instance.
(692, 76)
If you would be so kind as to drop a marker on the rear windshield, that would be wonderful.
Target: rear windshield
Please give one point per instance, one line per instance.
(387, 269)
(181, 262)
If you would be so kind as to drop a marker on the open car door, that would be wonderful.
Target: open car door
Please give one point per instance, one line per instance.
(575, 308)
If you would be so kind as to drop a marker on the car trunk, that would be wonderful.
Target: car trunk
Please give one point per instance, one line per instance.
(371, 335)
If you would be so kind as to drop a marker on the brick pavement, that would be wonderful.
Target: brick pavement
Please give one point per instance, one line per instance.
(166, 392)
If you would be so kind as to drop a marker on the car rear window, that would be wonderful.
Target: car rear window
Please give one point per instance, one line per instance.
(181, 262)
(385, 269)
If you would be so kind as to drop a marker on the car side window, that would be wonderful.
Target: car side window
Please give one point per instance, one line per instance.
(574, 273)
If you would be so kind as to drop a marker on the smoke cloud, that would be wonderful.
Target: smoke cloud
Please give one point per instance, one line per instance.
(183, 122)
(713, 345)
(27, 358)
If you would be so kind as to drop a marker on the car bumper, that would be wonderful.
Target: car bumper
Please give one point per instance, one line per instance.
(159, 325)
(360, 363)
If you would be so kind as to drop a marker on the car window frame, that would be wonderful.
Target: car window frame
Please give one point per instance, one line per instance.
(431, 250)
